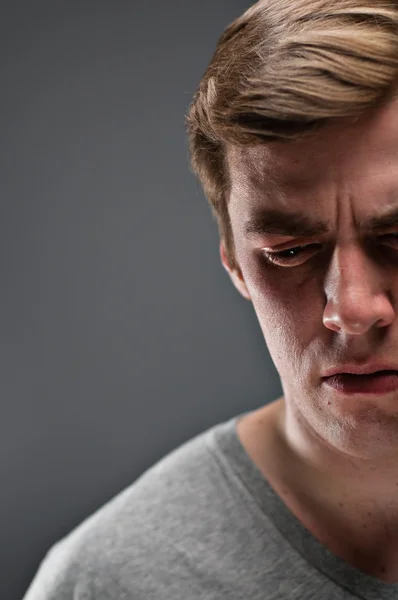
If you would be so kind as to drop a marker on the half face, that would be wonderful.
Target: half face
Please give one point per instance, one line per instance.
(315, 225)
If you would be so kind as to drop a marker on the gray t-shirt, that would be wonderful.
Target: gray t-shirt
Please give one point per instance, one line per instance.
(202, 523)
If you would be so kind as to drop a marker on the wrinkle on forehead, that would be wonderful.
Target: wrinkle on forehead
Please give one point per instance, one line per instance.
(338, 152)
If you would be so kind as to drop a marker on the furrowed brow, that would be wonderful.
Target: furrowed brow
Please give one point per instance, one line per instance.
(377, 223)
(275, 222)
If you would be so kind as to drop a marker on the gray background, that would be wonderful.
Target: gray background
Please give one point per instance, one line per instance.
(121, 335)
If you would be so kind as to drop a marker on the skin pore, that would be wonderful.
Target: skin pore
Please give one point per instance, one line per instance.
(329, 298)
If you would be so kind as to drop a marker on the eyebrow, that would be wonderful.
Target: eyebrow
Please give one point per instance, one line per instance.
(277, 222)
(389, 219)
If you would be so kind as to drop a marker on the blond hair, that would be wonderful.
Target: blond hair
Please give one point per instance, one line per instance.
(283, 70)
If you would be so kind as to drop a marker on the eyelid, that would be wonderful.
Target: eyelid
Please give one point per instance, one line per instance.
(273, 255)
(275, 259)
(388, 234)
(292, 243)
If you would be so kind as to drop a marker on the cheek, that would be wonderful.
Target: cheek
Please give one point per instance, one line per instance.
(289, 306)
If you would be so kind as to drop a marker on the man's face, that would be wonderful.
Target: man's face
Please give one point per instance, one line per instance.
(332, 301)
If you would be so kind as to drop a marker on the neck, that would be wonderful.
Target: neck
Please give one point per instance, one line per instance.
(335, 475)
(355, 519)
(350, 502)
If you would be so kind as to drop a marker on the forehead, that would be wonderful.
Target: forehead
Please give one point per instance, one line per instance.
(351, 156)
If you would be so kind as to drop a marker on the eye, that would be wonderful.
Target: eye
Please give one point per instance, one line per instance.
(291, 257)
(390, 239)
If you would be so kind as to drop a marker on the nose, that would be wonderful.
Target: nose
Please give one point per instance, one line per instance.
(357, 293)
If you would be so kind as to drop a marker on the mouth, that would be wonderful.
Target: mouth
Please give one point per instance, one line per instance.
(377, 382)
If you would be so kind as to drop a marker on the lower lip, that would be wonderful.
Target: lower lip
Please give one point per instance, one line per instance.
(376, 383)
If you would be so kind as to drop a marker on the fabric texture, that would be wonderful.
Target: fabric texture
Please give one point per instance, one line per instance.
(202, 523)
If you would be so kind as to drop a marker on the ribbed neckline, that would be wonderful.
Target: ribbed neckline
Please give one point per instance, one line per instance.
(227, 442)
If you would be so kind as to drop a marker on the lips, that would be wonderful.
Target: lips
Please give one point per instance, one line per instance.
(376, 382)
(360, 369)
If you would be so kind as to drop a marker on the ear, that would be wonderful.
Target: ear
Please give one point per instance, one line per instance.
(235, 275)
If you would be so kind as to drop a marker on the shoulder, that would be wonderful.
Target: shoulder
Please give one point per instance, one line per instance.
(144, 526)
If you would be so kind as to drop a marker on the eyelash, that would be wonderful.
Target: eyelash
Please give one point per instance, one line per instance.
(281, 257)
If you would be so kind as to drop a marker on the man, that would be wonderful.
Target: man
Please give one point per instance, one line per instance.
(294, 135)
